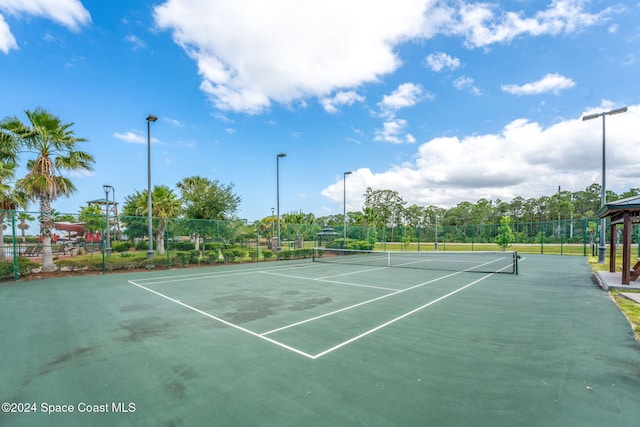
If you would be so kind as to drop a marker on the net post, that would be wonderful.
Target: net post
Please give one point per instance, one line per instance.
(515, 261)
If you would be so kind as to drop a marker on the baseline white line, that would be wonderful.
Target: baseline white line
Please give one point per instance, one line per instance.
(295, 350)
(359, 304)
(364, 334)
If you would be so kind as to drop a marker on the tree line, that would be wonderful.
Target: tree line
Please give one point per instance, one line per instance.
(386, 208)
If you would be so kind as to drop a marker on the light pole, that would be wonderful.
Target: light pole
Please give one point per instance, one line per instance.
(278, 194)
(344, 207)
(601, 246)
(106, 189)
(150, 118)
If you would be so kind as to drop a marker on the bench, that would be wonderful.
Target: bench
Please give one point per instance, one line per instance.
(635, 270)
(32, 251)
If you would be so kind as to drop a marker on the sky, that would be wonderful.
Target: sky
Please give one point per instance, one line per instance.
(443, 101)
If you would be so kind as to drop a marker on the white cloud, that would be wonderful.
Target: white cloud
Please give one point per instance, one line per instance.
(439, 61)
(483, 24)
(550, 83)
(136, 42)
(133, 137)
(7, 40)
(464, 82)
(284, 50)
(406, 95)
(523, 159)
(69, 13)
(174, 122)
(393, 132)
(331, 105)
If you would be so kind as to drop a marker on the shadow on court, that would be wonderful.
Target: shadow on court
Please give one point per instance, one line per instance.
(297, 343)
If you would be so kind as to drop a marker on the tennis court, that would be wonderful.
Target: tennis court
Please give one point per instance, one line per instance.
(312, 343)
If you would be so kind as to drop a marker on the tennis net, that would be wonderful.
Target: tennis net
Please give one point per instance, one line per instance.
(476, 261)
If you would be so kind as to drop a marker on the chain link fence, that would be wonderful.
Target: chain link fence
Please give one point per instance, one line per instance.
(95, 244)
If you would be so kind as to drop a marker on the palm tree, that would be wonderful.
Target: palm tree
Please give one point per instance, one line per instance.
(56, 150)
(165, 205)
(10, 198)
(24, 217)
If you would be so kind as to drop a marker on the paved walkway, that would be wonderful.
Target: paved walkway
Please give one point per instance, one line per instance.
(610, 281)
(632, 296)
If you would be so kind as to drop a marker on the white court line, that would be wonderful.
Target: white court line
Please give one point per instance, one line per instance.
(209, 275)
(359, 304)
(295, 350)
(370, 331)
(289, 276)
(338, 346)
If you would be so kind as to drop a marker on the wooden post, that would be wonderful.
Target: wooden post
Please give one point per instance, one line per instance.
(626, 248)
(612, 248)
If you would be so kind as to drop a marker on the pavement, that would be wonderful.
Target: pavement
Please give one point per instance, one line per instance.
(613, 281)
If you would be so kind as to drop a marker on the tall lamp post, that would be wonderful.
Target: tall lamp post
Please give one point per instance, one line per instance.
(150, 118)
(344, 208)
(601, 246)
(107, 189)
(278, 194)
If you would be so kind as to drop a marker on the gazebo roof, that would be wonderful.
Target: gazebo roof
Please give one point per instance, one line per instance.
(101, 202)
(327, 232)
(612, 209)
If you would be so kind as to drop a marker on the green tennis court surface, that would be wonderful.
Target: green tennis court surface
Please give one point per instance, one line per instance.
(302, 343)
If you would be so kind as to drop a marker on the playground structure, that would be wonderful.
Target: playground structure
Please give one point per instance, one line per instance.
(110, 209)
(76, 231)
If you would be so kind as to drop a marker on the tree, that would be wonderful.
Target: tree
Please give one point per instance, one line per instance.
(165, 204)
(10, 197)
(24, 217)
(57, 151)
(505, 238)
(203, 199)
(388, 206)
(92, 217)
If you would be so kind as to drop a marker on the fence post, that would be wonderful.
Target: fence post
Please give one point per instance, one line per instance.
(584, 237)
(166, 246)
(15, 250)
(102, 246)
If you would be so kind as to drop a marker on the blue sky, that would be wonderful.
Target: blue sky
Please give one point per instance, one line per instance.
(442, 101)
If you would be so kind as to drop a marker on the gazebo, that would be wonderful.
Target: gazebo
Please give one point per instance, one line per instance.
(625, 212)
(327, 235)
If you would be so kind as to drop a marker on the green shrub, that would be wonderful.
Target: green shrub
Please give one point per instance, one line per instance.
(144, 245)
(182, 246)
(194, 257)
(120, 246)
(181, 258)
(211, 257)
(127, 255)
(233, 254)
(25, 266)
(267, 254)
